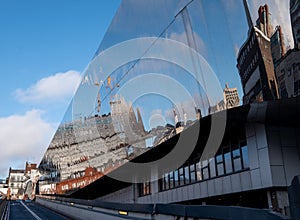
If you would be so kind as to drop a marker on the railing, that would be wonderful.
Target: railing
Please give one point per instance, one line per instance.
(106, 210)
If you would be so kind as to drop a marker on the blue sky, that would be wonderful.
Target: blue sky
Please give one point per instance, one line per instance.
(46, 44)
(44, 47)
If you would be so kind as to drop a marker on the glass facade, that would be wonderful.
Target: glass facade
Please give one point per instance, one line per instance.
(160, 67)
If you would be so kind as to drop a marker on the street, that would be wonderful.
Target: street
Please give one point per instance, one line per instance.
(31, 210)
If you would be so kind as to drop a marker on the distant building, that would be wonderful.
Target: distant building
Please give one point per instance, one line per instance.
(15, 182)
(31, 176)
(220, 106)
(288, 74)
(255, 62)
(231, 97)
(3, 187)
(21, 183)
(295, 20)
(231, 100)
(277, 45)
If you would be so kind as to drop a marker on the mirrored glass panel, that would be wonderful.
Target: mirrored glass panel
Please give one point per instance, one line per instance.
(161, 66)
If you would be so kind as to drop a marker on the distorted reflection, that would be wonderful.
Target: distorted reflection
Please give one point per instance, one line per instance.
(153, 76)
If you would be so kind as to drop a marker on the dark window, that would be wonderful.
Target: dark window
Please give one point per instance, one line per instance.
(176, 178)
(205, 170)
(245, 157)
(198, 171)
(193, 173)
(144, 188)
(166, 179)
(237, 162)
(181, 176)
(186, 175)
(171, 179)
(212, 167)
(220, 164)
(228, 161)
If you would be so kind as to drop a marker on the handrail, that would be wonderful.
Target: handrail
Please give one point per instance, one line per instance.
(193, 211)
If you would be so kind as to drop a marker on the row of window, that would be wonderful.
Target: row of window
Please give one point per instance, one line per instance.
(250, 67)
(228, 160)
(247, 50)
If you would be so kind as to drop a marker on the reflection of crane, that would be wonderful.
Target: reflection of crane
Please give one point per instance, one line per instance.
(98, 97)
(110, 85)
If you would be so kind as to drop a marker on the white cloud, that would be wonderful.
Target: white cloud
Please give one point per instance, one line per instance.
(280, 12)
(23, 137)
(58, 87)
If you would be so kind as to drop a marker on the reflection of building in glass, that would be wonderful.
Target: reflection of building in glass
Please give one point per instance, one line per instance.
(295, 19)
(255, 63)
(252, 163)
(125, 122)
(231, 97)
(100, 143)
(277, 45)
(288, 74)
(231, 100)
(220, 106)
(263, 21)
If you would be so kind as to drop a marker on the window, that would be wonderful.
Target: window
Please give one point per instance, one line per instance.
(193, 173)
(236, 157)
(212, 167)
(166, 179)
(181, 176)
(227, 158)
(220, 165)
(186, 175)
(198, 171)
(205, 170)
(171, 179)
(176, 178)
(145, 188)
(245, 158)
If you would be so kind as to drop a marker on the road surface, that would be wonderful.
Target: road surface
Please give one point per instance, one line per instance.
(32, 211)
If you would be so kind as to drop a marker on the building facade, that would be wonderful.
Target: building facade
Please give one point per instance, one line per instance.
(253, 167)
(288, 74)
(231, 97)
(263, 21)
(15, 183)
(255, 61)
(277, 45)
(295, 20)
(256, 68)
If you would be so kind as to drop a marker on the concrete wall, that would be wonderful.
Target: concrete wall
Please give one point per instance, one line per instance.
(126, 195)
(284, 151)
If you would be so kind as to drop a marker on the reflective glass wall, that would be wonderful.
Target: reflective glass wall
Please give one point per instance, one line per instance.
(161, 66)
